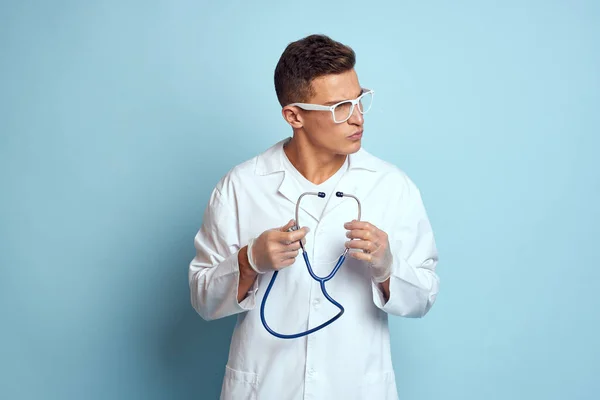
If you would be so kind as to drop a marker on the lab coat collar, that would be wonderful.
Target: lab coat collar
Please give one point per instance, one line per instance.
(271, 161)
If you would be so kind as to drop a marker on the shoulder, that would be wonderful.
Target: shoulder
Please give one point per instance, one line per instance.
(246, 172)
(235, 178)
(388, 173)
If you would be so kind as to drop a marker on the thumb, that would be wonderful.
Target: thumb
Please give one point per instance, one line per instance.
(287, 226)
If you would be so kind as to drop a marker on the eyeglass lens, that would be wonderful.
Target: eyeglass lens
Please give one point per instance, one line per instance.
(344, 110)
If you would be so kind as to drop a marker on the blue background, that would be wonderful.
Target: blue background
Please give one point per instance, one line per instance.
(118, 117)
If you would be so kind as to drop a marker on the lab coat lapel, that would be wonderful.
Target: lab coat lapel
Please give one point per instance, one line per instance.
(291, 190)
(270, 162)
(349, 185)
(354, 181)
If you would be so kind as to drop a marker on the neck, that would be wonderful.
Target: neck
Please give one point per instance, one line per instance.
(316, 165)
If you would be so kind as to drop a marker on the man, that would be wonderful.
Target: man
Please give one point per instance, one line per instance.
(245, 237)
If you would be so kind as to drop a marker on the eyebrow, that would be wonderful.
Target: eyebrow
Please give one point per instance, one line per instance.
(330, 103)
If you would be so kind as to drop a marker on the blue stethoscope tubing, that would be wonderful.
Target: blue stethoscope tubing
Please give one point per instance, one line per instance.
(319, 279)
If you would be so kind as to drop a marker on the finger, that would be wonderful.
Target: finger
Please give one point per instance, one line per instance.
(294, 236)
(292, 246)
(299, 234)
(359, 255)
(289, 254)
(287, 226)
(286, 263)
(361, 245)
(354, 224)
(363, 234)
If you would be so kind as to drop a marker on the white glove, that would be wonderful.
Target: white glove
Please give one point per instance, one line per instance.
(275, 249)
(381, 267)
(375, 248)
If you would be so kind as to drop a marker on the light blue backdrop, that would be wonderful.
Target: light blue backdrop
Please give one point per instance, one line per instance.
(118, 117)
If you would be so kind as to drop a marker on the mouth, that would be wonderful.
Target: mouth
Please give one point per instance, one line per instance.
(356, 135)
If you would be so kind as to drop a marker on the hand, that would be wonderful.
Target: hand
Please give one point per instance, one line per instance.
(375, 248)
(276, 248)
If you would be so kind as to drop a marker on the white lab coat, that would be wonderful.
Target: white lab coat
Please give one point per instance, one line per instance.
(349, 359)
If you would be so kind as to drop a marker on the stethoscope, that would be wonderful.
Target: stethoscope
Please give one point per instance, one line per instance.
(319, 279)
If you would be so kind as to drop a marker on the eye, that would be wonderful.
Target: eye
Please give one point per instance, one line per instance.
(342, 110)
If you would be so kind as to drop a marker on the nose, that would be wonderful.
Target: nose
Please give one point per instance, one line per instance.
(356, 118)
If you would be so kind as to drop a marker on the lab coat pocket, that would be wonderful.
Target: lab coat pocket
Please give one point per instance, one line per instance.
(239, 385)
(380, 385)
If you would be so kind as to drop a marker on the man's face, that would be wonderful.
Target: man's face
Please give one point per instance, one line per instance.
(319, 126)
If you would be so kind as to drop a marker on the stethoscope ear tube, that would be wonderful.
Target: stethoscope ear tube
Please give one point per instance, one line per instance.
(323, 290)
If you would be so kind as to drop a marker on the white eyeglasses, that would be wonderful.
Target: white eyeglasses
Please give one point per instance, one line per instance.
(343, 110)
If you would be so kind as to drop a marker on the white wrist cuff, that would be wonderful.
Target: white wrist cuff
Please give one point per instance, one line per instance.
(250, 259)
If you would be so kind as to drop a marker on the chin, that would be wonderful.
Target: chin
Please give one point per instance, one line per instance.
(350, 148)
(356, 145)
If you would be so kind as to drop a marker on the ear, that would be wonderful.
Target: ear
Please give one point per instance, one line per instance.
(292, 116)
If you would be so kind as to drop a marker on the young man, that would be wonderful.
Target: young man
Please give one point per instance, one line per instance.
(245, 238)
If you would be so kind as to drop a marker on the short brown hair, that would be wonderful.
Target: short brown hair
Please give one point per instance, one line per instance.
(307, 59)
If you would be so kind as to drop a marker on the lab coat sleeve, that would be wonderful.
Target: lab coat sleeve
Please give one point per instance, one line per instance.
(214, 272)
(414, 284)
